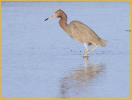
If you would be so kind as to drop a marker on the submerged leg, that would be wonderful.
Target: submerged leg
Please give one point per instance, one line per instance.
(86, 61)
(86, 52)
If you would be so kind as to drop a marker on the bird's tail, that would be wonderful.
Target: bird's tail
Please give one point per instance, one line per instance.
(103, 43)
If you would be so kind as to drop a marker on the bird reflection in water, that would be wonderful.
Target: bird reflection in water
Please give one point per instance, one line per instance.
(80, 79)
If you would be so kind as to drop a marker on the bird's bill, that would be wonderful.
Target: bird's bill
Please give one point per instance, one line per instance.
(46, 19)
(51, 17)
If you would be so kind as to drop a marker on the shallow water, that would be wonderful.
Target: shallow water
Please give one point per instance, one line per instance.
(40, 60)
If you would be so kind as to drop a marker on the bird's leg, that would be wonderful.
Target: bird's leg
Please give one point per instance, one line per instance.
(85, 53)
(86, 50)
(94, 47)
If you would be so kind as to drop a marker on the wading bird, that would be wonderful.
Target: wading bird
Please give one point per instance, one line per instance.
(79, 31)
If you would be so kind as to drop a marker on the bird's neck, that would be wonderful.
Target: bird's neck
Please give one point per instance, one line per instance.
(63, 22)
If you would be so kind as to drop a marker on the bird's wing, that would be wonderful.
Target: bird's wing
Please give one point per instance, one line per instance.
(83, 32)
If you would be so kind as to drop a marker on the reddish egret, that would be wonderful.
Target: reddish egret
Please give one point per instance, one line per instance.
(79, 31)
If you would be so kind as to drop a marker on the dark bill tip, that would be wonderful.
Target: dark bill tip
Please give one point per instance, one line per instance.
(46, 19)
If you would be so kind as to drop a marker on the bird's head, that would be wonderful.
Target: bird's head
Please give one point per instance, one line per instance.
(56, 14)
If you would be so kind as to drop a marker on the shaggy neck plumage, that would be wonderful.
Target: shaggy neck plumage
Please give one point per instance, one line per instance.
(63, 21)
